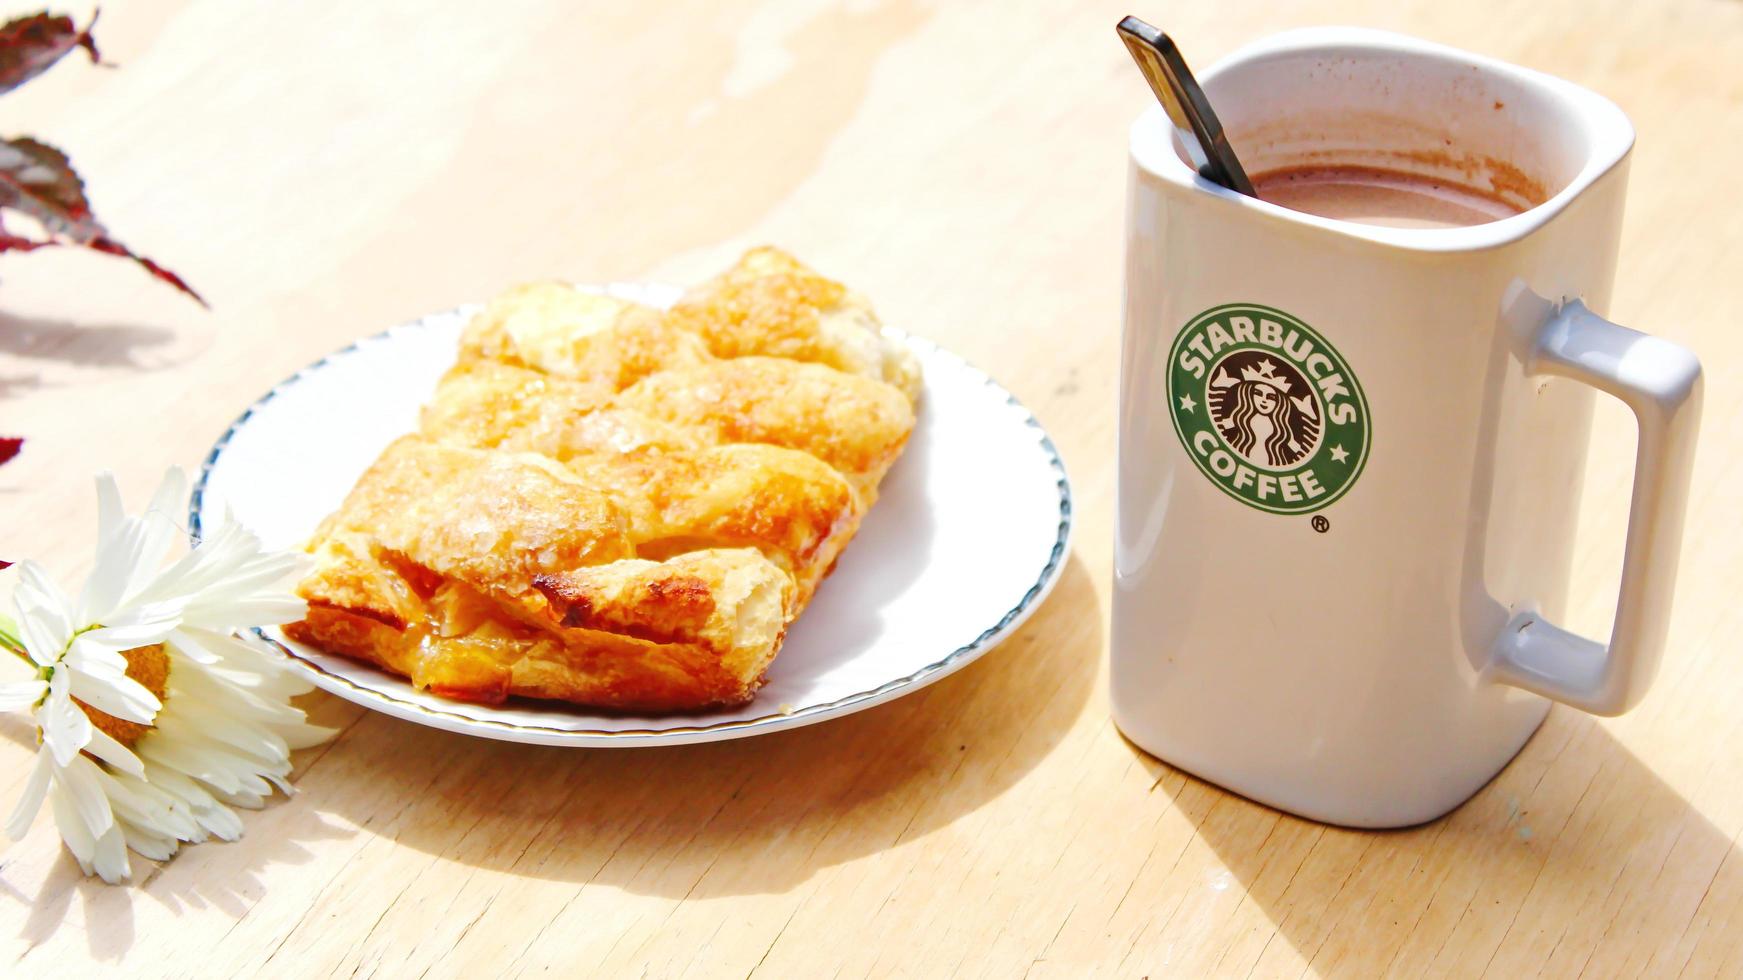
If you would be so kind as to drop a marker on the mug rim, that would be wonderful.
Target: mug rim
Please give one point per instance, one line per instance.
(1611, 136)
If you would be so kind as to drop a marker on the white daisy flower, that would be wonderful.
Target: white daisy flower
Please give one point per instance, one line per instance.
(155, 717)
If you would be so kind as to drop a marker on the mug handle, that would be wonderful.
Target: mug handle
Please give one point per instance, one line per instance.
(1661, 382)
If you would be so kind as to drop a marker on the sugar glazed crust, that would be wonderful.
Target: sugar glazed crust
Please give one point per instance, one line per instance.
(615, 506)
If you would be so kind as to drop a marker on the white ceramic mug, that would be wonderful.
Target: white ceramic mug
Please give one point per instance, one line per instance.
(1349, 453)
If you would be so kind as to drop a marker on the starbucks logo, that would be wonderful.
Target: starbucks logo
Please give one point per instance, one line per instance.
(1264, 409)
(1267, 408)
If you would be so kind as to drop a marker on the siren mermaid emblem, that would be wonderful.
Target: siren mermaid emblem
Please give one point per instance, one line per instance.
(1264, 409)
(1267, 408)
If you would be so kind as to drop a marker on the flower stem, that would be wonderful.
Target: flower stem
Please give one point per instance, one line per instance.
(9, 636)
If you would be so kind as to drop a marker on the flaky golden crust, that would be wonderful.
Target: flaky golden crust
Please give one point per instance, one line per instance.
(604, 343)
(477, 574)
(771, 304)
(617, 508)
(794, 509)
(853, 424)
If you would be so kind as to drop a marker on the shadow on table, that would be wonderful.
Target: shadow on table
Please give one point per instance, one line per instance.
(40, 340)
(749, 816)
(1576, 853)
(728, 818)
(85, 344)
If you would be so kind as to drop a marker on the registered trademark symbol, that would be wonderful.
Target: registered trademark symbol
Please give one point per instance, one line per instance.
(1320, 524)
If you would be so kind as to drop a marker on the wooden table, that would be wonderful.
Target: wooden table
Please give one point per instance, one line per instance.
(324, 171)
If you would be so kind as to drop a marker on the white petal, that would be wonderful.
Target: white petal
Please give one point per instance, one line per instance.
(274, 573)
(218, 770)
(260, 571)
(184, 577)
(104, 853)
(130, 550)
(114, 753)
(65, 729)
(119, 558)
(94, 658)
(222, 692)
(110, 860)
(212, 816)
(261, 743)
(21, 695)
(162, 520)
(79, 782)
(74, 832)
(230, 583)
(123, 697)
(149, 843)
(132, 626)
(241, 651)
(86, 824)
(246, 700)
(247, 612)
(30, 801)
(213, 560)
(253, 695)
(44, 614)
(172, 495)
(302, 736)
(145, 807)
(261, 609)
(192, 643)
(109, 510)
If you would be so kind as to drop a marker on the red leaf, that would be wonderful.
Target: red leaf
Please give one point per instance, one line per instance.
(12, 243)
(31, 45)
(38, 180)
(110, 246)
(9, 446)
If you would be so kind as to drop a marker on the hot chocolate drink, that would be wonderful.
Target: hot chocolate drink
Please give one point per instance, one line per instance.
(1373, 196)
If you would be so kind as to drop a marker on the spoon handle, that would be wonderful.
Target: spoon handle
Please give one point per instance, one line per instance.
(1186, 105)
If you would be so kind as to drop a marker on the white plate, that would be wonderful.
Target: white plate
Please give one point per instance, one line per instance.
(966, 539)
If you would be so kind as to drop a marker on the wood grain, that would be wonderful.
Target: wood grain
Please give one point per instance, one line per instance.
(324, 169)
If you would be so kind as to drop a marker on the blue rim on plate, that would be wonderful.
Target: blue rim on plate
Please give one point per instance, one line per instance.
(1006, 624)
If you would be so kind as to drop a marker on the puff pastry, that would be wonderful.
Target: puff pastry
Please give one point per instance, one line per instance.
(617, 506)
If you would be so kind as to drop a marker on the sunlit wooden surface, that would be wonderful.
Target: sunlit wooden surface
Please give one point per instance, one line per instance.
(324, 169)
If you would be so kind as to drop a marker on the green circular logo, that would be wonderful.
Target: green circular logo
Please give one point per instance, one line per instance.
(1267, 408)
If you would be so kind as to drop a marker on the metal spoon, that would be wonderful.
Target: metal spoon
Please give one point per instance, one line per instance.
(1186, 105)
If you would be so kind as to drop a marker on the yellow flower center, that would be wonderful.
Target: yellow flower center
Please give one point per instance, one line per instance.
(150, 667)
